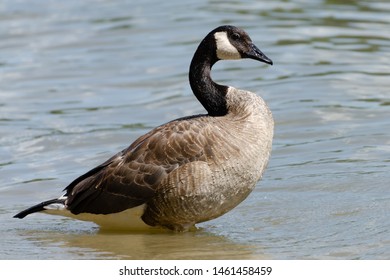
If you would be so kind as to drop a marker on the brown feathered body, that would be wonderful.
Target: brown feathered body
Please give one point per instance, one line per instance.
(184, 172)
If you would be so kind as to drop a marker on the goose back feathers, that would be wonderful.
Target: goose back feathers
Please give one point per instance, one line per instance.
(186, 171)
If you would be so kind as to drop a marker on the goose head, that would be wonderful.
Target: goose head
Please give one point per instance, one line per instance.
(234, 43)
(223, 43)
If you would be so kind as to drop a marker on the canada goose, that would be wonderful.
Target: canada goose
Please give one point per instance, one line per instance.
(186, 171)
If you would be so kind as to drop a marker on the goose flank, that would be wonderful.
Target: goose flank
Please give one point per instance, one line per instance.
(186, 171)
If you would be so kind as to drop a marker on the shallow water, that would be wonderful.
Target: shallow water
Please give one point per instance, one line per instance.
(80, 80)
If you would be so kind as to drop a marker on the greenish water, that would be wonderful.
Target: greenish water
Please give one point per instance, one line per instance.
(80, 80)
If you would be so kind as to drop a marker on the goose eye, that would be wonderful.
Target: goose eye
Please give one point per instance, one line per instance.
(236, 36)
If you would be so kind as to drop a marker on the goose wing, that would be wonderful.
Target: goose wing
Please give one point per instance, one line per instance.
(131, 177)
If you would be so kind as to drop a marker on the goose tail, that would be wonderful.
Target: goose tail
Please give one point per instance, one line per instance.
(57, 203)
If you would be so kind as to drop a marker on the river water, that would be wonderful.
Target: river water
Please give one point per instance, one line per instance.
(81, 80)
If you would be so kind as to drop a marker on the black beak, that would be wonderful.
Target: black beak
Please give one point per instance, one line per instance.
(257, 54)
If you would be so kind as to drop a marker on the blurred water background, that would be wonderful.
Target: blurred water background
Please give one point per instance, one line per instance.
(81, 80)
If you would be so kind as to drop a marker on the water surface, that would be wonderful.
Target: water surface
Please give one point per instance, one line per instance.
(81, 80)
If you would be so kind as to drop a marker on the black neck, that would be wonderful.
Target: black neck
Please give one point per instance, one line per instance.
(210, 94)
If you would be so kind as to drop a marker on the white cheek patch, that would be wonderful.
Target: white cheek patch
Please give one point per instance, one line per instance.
(225, 50)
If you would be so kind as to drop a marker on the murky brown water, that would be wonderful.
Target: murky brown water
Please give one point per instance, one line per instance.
(80, 80)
